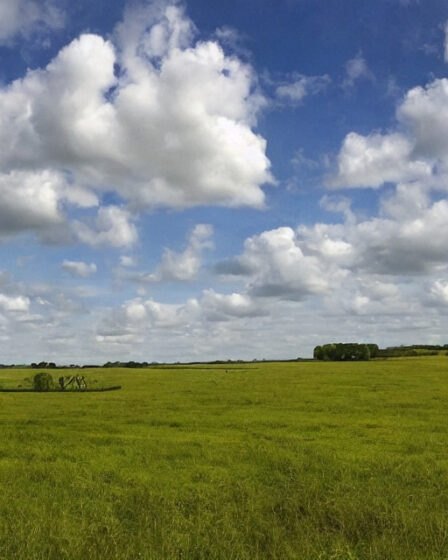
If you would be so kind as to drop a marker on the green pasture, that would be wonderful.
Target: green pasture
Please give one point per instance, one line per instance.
(329, 461)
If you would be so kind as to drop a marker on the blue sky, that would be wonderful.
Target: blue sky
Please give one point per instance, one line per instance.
(209, 180)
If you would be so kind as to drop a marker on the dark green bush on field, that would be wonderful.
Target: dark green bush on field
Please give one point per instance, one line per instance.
(342, 352)
(43, 382)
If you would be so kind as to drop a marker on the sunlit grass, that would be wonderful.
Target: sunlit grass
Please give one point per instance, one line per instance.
(293, 460)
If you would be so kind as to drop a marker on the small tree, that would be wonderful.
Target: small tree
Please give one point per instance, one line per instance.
(318, 353)
(43, 382)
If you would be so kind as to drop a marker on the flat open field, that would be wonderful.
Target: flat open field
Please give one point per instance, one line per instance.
(268, 460)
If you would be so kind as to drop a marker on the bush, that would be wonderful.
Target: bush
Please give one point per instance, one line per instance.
(43, 382)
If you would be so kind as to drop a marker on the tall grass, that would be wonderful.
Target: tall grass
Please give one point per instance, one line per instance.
(291, 460)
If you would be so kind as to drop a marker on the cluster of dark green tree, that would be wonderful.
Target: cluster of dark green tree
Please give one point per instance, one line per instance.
(343, 352)
(48, 365)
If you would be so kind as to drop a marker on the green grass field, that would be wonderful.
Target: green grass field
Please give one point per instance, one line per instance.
(269, 460)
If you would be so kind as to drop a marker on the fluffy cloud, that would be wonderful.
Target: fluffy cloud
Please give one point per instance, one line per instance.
(418, 152)
(211, 324)
(298, 284)
(211, 306)
(424, 112)
(224, 307)
(24, 17)
(127, 323)
(238, 325)
(112, 226)
(371, 161)
(276, 266)
(411, 240)
(37, 200)
(172, 128)
(196, 313)
(79, 268)
(181, 267)
(161, 315)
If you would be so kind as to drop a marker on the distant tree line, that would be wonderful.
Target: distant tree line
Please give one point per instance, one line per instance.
(341, 352)
(412, 350)
(330, 352)
(130, 364)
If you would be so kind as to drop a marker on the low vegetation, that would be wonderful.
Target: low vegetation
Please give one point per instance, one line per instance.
(346, 352)
(301, 460)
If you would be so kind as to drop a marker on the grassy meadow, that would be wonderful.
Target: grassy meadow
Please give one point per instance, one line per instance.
(308, 460)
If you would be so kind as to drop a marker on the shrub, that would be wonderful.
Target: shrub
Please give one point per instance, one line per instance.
(43, 382)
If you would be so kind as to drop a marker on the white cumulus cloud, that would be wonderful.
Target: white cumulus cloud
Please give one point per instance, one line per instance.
(225, 307)
(418, 152)
(406, 242)
(371, 161)
(113, 226)
(173, 128)
(276, 267)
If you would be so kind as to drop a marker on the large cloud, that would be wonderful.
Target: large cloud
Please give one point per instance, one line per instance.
(275, 266)
(418, 152)
(371, 161)
(358, 261)
(411, 238)
(136, 317)
(172, 127)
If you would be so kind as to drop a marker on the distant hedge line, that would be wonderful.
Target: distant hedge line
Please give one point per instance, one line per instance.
(342, 352)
